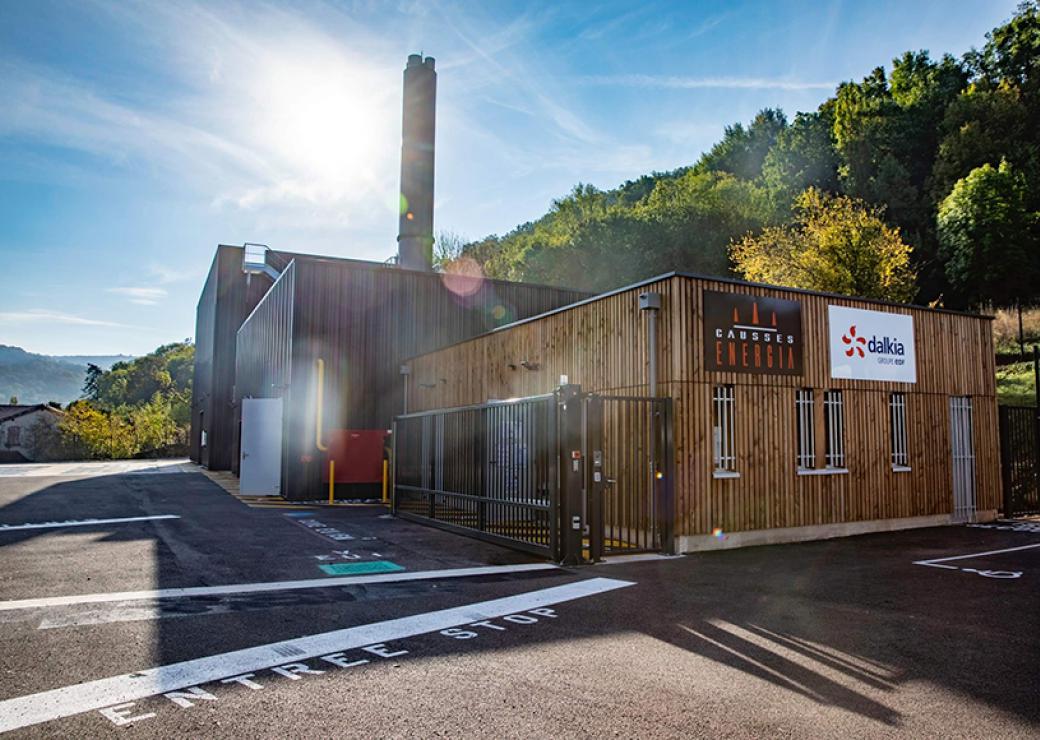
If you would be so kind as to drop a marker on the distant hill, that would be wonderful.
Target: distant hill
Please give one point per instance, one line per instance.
(41, 378)
(105, 362)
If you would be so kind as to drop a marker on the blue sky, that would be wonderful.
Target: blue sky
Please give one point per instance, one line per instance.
(135, 137)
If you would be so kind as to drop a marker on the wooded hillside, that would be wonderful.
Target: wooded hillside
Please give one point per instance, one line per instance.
(946, 151)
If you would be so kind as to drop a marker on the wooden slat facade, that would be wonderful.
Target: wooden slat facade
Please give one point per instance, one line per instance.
(601, 344)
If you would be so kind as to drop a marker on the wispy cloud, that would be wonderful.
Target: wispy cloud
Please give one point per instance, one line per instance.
(166, 274)
(142, 296)
(46, 316)
(271, 111)
(671, 82)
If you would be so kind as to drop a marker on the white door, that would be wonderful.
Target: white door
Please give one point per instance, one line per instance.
(260, 472)
(963, 453)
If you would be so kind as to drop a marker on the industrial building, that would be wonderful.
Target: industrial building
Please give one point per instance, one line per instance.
(681, 413)
(298, 356)
(786, 415)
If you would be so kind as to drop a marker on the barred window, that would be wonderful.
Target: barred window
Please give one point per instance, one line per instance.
(897, 417)
(803, 401)
(724, 448)
(834, 423)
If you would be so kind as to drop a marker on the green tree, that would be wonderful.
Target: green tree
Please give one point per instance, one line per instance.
(836, 244)
(91, 388)
(983, 125)
(742, 151)
(803, 156)
(988, 238)
(93, 433)
(13, 400)
(1011, 52)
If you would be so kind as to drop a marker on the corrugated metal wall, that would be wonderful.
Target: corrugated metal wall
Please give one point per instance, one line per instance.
(263, 358)
(202, 380)
(362, 319)
(226, 301)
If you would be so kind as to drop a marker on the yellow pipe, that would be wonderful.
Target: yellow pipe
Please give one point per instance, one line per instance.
(385, 467)
(321, 399)
(332, 481)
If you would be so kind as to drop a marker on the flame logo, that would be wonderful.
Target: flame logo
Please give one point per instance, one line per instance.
(854, 341)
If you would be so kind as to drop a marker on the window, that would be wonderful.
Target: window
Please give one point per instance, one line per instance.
(724, 449)
(803, 401)
(834, 427)
(897, 417)
(14, 436)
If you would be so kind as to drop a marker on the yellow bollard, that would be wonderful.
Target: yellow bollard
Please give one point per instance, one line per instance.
(385, 467)
(332, 481)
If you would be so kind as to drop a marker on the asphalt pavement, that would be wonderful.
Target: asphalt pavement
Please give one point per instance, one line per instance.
(152, 602)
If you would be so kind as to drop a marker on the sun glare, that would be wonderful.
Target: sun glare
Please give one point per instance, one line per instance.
(326, 119)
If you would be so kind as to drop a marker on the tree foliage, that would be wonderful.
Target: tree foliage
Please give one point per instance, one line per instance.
(138, 408)
(897, 141)
(836, 244)
(987, 237)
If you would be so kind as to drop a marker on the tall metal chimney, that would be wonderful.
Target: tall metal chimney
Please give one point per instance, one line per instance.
(415, 232)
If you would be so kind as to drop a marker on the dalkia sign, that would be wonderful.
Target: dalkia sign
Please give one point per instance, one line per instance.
(752, 334)
(871, 345)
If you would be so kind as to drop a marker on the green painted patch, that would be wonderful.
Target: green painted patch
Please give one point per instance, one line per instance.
(361, 569)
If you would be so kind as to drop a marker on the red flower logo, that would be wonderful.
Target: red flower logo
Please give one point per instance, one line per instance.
(854, 341)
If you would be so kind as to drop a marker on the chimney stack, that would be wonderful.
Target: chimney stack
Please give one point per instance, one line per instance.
(415, 230)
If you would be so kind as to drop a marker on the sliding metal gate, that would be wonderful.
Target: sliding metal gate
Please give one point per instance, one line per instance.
(1019, 459)
(568, 476)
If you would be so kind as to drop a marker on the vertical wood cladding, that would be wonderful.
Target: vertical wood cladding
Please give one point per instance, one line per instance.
(601, 344)
(361, 319)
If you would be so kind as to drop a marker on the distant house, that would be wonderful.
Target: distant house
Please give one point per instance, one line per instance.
(16, 421)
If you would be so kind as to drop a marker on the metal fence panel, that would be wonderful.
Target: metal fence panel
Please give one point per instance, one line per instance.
(487, 471)
(1018, 451)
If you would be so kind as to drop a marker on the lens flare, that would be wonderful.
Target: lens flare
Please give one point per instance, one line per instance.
(718, 534)
(463, 277)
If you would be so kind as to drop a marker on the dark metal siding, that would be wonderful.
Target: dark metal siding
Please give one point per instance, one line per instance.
(202, 379)
(362, 320)
(228, 298)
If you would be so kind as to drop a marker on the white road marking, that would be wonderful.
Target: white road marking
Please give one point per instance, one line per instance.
(975, 555)
(92, 469)
(937, 562)
(83, 522)
(241, 588)
(64, 702)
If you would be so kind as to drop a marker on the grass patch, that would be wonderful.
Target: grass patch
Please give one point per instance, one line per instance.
(1015, 384)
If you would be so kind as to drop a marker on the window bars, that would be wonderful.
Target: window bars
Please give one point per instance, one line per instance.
(834, 424)
(897, 419)
(803, 400)
(724, 447)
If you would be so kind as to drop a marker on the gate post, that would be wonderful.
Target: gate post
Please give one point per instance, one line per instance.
(665, 476)
(572, 477)
(393, 468)
(1036, 422)
(1004, 418)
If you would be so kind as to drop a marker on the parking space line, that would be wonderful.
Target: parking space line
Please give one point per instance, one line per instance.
(240, 588)
(83, 522)
(933, 561)
(67, 701)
